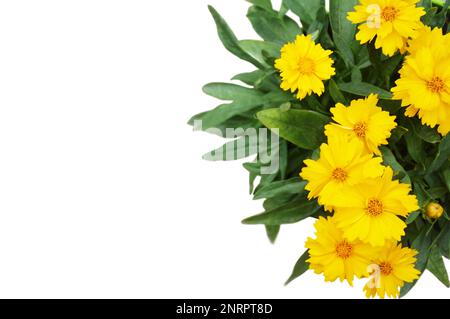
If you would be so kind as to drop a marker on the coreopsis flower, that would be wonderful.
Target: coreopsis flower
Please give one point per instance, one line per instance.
(424, 84)
(341, 166)
(390, 270)
(392, 22)
(336, 257)
(363, 121)
(427, 37)
(371, 213)
(304, 65)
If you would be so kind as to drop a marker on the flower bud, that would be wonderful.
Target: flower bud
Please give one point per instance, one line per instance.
(434, 210)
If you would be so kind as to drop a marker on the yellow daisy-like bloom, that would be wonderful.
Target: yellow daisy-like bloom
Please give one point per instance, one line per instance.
(334, 256)
(392, 22)
(364, 121)
(342, 165)
(390, 270)
(371, 213)
(424, 84)
(304, 65)
(427, 37)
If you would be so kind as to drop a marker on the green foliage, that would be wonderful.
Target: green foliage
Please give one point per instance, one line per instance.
(303, 128)
(418, 154)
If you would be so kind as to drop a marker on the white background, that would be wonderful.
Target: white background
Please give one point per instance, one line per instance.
(103, 192)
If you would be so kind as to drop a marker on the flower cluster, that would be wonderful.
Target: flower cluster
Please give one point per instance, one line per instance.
(367, 203)
(357, 99)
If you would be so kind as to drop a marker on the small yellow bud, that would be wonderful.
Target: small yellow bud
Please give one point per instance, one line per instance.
(434, 210)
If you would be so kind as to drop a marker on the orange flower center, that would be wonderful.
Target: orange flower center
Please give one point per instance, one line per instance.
(389, 14)
(386, 268)
(436, 85)
(344, 249)
(306, 66)
(374, 207)
(339, 174)
(360, 129)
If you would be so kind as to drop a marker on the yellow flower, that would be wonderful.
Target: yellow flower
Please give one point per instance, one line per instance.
(364, 121)
(434, 210)
(304, 66)
(424, 84)
(371, 213)
(427, 37)
(392, 267)
(342, 165)
(392, 22)
(334, 256)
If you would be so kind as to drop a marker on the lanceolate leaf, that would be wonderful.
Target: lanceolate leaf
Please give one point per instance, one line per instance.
(437, 267)
(422, 245)
(291, 186)
(255, 48)
(272, 232)
(271, 27)
(290, 213)
(305, 9)
(343, 30)
(242, 147)
(442, 156)
(336, 93)
(364, 89)
(233, 92)
(300, 267)
(300, 127)
(230, 41)
(265, 4)
(390, 160)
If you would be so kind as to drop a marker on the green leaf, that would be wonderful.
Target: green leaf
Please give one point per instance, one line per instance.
(305, 10)
(272, 232)
(244, 100)
(254, 169)
(290, 213)
(229, 40)
(437, 267)
(444, 241)
(271, 27)
(249, 78)
(336, 93)
(239, 122)
(217, 116)
(415, 148)
(343, 29)
(233, 92)
(412, 217)
(389, 159)
(291, 186)
(255, 48)
(397, 134)
(441, 17)
(300, 127)
(422, 245)
(265, 4)
(446, 176)
(284, 158)
(242, 147)
(364, 89)
(442, 156)
(424, 132)
(301, 266)
(344, 50)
